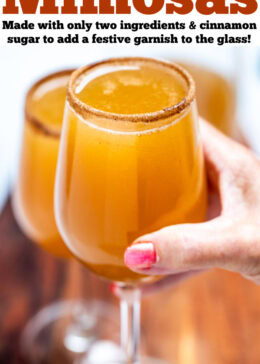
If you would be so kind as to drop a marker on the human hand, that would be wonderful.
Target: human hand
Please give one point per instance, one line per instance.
(229, 239)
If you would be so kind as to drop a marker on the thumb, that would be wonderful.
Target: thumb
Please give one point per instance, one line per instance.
(181, 248)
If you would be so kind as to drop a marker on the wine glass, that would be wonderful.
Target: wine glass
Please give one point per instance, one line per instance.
(130, 162)
(33, 202)
(34, 188)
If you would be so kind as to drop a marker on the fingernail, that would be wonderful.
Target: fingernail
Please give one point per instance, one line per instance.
(114, 289)
(141, 256)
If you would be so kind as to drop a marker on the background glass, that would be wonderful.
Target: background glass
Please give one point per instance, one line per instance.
(71, 324)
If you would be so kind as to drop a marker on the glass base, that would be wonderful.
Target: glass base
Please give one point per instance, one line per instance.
(65, 331)
(107, 352)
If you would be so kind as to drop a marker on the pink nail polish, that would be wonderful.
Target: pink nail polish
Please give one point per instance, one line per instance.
(141, 256)
(112, 287)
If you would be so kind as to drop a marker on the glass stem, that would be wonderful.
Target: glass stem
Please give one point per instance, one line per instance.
(130, 322)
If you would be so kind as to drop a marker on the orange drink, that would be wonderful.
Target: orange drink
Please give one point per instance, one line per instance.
(130, 160)
(33, 196)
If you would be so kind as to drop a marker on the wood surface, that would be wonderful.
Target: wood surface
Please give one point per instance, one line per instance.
(210, 319)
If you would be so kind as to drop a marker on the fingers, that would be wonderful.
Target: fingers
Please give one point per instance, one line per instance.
(221, 160)
(220, 151)
(183, 248)
(230, 167)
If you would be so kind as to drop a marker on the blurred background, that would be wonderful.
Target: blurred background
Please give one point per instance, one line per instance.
(215, 319)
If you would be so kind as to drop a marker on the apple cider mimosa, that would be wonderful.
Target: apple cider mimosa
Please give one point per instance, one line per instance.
(130, 160)
(34, 190)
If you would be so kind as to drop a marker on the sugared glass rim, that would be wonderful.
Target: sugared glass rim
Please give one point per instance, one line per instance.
(37, 123)
(84, 109)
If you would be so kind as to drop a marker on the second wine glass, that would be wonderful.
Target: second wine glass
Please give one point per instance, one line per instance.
(33, 202)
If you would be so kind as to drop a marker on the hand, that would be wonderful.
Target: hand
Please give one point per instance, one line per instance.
(230, 239)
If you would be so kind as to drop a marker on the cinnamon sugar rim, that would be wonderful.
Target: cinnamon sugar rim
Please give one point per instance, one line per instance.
(85, 109)
(36, 122)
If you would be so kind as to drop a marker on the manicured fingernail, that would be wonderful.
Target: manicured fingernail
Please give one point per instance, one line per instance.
(141, 256)
(114, 289)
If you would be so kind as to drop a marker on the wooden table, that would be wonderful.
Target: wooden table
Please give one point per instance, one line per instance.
(211, 319)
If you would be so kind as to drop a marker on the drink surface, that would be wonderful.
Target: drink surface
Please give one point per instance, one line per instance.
(34, 191)
(137, 90)
(119, 180)
(48, 102)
